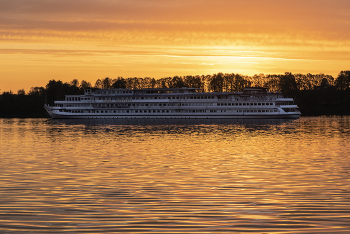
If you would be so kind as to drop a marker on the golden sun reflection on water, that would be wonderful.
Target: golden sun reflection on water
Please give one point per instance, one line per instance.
(153, 176)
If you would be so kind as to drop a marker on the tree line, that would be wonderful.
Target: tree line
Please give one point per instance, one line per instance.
(316, 94)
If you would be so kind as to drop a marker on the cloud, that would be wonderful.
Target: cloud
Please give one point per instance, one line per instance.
(322, 16)
(93, 38)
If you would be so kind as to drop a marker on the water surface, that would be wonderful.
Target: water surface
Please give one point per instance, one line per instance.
(175, 176)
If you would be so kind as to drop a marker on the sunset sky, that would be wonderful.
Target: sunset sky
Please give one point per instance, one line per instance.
(88, 40)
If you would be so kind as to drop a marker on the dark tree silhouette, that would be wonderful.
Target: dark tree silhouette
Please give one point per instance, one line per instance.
(316, 94)
(120, 83)
(85, 85)
(288, 86)
(343, 80)
(216, 83)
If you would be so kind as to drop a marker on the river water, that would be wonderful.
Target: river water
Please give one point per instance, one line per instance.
(188, 176)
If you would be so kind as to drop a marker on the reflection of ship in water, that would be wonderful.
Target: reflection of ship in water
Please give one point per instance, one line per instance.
(178, 103)
(167, 122)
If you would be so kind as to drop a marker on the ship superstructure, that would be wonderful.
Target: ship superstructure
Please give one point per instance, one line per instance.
(253, 102)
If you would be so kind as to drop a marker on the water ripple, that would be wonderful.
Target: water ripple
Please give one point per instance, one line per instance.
(183, 176)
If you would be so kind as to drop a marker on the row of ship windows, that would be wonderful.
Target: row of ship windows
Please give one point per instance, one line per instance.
(166, 111)
(170, 104)
(142, 98)
(139, 98)
(246, 104)
(112, 92)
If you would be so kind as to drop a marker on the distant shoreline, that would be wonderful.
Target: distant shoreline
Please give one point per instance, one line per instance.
(315, 95)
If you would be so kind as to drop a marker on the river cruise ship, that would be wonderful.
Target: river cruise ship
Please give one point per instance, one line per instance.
(175, 103)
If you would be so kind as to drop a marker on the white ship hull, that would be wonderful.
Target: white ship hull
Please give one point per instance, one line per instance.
(58, 115)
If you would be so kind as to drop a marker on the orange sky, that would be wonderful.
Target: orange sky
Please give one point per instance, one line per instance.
(91, 39)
